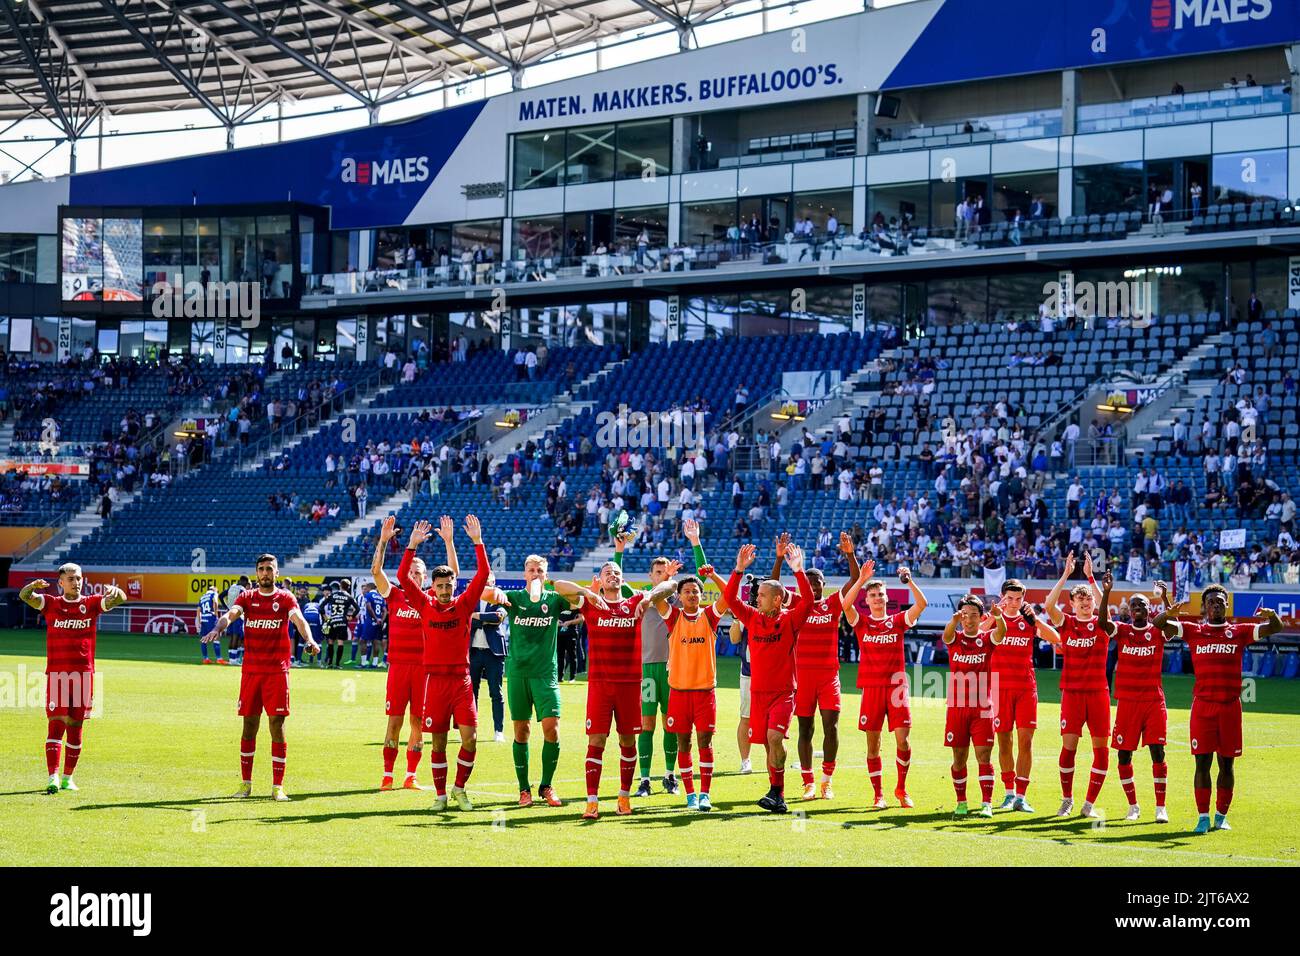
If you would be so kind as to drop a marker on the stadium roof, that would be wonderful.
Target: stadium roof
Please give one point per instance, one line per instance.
(66, 60)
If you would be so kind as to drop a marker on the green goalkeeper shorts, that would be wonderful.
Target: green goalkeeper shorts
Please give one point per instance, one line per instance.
(528, 695)
(654, 688)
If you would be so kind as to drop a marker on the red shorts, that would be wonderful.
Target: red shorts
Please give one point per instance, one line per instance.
(264, 692)
(614, 702)
(405, 689)
(881, 702)
(448, 696)
(817, 690)
(966, 726)
(769, 710)
(1015, 708)
(1139, 723)
(692, 708)
(1091, 707)
(1216, 728)
(70, 694)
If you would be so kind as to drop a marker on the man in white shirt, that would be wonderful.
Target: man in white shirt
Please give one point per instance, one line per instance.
(1071, 440)
(1073, 496)
(846, 484)
(877, 476)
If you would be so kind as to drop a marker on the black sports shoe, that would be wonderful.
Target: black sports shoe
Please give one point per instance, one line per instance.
(644, 789)
(773, 802)
(670, 784)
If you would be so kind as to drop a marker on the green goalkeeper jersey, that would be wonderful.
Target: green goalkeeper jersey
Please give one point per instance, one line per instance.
(534, 631)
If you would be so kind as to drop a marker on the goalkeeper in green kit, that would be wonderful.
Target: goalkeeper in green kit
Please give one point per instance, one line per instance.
(532, 678)
(654, 664)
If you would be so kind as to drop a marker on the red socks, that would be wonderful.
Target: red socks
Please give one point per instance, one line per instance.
(626, 769)
(438, 760)
(807, 774)
(903, 761)
(390, 758)
(1067, 773)
(1160, 773)
(464, 767)
(706, 768)
(1126, 782)
(247, 750)
(1223, 800)
(828, 770)
(1008, 780)
(1100, 764)
(54, 745)
(412, 762)
(874, 772)
(685, 771)
(959, 783)
(277, 763)
(1022, 785)
(777, 778)
(594, 755)
(1202, 800)
(72, 753)
(986, 782)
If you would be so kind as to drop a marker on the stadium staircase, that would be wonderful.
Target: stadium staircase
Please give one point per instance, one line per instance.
(1145, 430)
(376, 510)
(562, 407)
(79, 527)
(6, 437)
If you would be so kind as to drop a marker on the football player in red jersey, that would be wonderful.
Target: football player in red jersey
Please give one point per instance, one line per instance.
(882, 675)
(448, 692)
(817, 666)
(1217, 648)
(771, 656)
(1015, 692)
(267, 611)
(405, 689)
(614, 676)
(969, 721)
(71, 626)
(1140, 714)
(1085, 695)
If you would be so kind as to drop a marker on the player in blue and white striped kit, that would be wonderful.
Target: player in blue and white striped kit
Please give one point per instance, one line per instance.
(311, 612)
(369, 629)
(209, 610)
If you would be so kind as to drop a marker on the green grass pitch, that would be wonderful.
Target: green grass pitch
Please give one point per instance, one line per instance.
(159, 763)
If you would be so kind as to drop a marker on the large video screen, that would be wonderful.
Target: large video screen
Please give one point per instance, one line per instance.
(123, 260)
(83, 260)
(103, 260)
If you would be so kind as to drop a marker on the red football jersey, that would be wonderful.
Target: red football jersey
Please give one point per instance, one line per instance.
(771, 637)
(1141, 654)
(267, 647)
(970, 663)
(70, 631)
(1217, 650)
(446, 627)
(1083, 655)
(405, 632)
(614, 639)
(818, 646)
(1013, 659)
(882, 660)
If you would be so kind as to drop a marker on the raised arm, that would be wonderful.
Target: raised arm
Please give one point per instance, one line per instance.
(1103, 608)
(919, 603)
(1041, 627)
(999, 631)
(691, 528)
(621, 541)
(1167, 620)
(1054, 613)
(950, 629)
(782, 545)
(800, 609)
(482, 569)
(846, 547)
(387, 531)
(415, 595)
(1087, 570)
(735, 631)
(447, 531)
(29, 596)
(731, 593)
(1272, 624)
(850, 607)
(575, 594)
